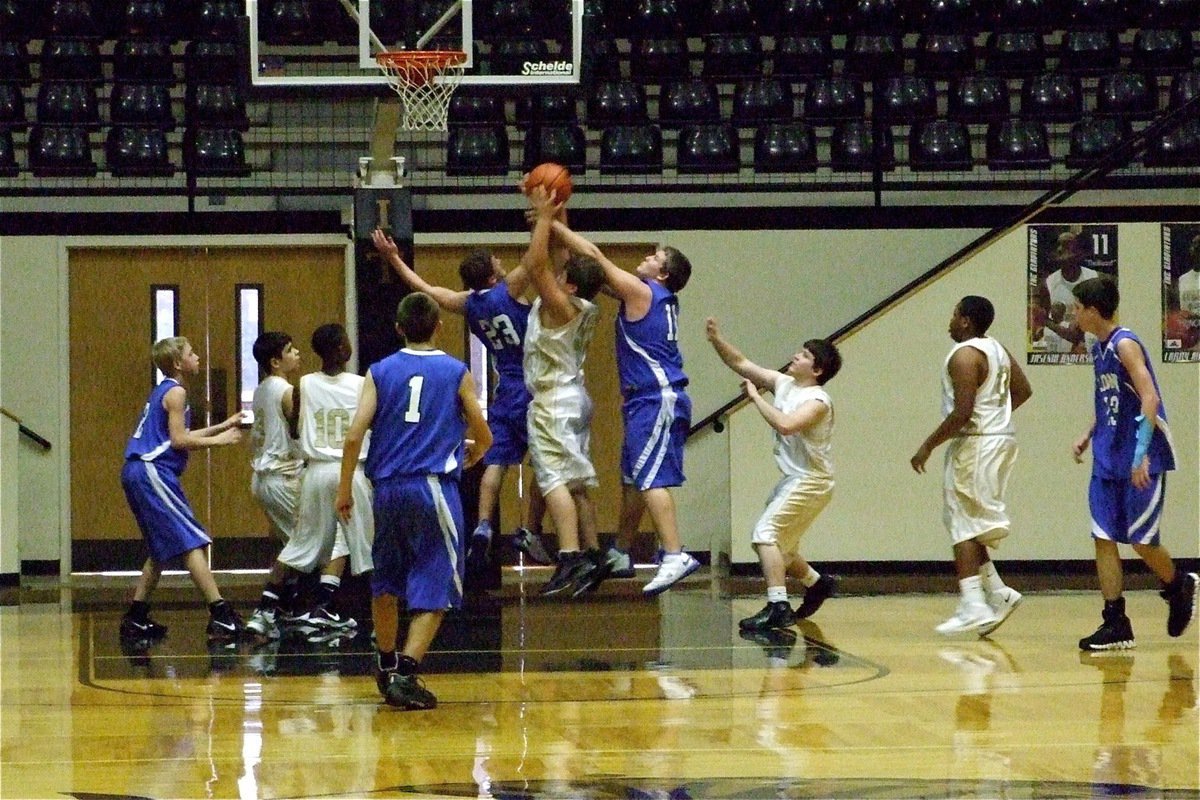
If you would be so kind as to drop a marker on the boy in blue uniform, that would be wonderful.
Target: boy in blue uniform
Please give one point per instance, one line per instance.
(155, 458)
(1131, 452)
(497, 312)
(418, 403)
(656, 410)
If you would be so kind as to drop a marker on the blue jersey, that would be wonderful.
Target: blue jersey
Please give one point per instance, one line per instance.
(499, 321)
(419, 424)
(1117, 409)
(648, 354)
(151, 439)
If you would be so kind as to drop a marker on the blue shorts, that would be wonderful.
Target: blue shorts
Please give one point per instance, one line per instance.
(418, 548)
(163, 514)
(507, 419)
(1123, 513)
(656, 426)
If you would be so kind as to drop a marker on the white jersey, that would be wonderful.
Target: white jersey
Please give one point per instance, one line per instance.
(273, 449)
(554, 356)
(1189, 292)
(810, 451)
(992, 411)
(327, 406)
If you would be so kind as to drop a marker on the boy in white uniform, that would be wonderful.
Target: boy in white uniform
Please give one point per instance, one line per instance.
(802, 417)
(981, 387)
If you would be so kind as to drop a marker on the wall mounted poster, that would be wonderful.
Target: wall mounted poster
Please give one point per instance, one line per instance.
(1061, 256)
(1181, 293)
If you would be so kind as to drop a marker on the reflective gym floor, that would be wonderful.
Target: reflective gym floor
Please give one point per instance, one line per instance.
(611, 696)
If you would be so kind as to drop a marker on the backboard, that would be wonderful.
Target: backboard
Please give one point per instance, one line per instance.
(507, 43)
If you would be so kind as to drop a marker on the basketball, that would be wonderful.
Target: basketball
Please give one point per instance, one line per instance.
(554, 177)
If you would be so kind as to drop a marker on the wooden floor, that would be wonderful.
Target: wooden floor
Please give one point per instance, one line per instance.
(610, 697)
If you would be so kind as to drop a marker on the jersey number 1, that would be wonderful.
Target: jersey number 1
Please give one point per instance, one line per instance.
(413, 413)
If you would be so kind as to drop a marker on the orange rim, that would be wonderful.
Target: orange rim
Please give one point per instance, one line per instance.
(406, 59)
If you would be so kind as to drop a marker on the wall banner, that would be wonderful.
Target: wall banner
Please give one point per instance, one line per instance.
(1181, 293)
(1061, 256)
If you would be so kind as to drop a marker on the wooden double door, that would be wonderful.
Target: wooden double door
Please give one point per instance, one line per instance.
(219, 298)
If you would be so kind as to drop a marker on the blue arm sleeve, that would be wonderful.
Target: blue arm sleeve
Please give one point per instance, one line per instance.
(1144, 432)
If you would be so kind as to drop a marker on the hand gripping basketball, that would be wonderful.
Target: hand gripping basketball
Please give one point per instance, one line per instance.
(554, 177)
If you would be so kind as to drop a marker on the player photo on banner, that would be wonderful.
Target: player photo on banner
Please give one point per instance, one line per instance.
(1061, 256)
(1181, 293)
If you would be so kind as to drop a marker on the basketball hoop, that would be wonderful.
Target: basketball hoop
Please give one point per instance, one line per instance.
(412, 74)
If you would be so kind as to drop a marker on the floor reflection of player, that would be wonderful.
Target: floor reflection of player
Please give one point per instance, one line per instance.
(983, 667)
(1116, 766)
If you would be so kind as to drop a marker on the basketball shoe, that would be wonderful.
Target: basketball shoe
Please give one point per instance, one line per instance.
(480, 548)
(408, 692)
(224, 622)
(1181, 604)
(264, 622)
(968, 618)
(815, 595)
(773, 615)
(621, 563)
(598, 570)
(1003, 603)
(531, 545)
(674, 568)
(1115, 631)
(142, 629)
(571, 567)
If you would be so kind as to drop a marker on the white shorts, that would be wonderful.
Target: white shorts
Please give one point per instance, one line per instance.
(973, 485)
(320, 536)
(278, 493)
(793, 505)
(560, 423)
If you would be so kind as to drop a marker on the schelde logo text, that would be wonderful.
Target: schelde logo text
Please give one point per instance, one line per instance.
(547, 68)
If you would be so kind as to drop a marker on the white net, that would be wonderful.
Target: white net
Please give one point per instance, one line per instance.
(412, 74)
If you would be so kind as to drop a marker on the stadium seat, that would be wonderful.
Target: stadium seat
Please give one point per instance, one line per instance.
(853, 147)
(549, 107)
(979, 98)
(148, 19)
(71, 60)
(1017, 144)
(1161, 51)
(802, 56)
(804, 16)
(631, 150)
(72, 103)
(1169, 13)
(1025, 15)
(940, 145)
(688, 101)
(708, 148)
(58, 151)
(656, 18)
(138, 152)
(1093, 138)
(1178, 148)
(509, 55)
(948, 16)
(8, 157)
(1111, 15)
(141, 105)
(290, 22)
(1015, 52)
(12, 107)
(1184, 87)
(144, 61)
(563, 144)
(874, 16)
(660, 59)
(214, 152)
(15, 62)
(906, 98)
(1133, 95)
(216, 105)
(71, 18)
(873, 56)
(19, 23)
(785, 147)
(763, 100)
(618, 101)
(213, 62)
(945, 55)
(599, 61)
(1089, 52)
(1053, 97)
(218, 19)
(474, 108)
(832, 99)
(514, 18)
(732, 57)
(729, 17)
(477, 150)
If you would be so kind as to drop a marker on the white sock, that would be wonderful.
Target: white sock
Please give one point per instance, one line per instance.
(992, 582)
(972, 590)
(811, 578)
(332, 581)
(777, 594)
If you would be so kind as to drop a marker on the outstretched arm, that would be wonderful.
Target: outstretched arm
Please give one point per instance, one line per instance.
(175, 403)
(625, 286)
(761, 377)
(556, 303)
(448, 299)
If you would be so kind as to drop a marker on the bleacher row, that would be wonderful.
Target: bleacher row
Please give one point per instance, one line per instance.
(686, 86)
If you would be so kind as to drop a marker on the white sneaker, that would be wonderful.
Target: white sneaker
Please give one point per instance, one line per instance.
(1003, 603)
(968, 619)
(622, 564)
(674, 568)
(263, 623)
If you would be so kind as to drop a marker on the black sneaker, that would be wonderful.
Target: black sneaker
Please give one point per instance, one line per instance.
(531, 545)
(144, 629)
(1115, 631)
(815, 595)
(408, 692)
(478, 552)
(777, 643)
(773, 615)
(598, 569)
(1181, 605)
(382, 678)
(225, 623)
(570, 568)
